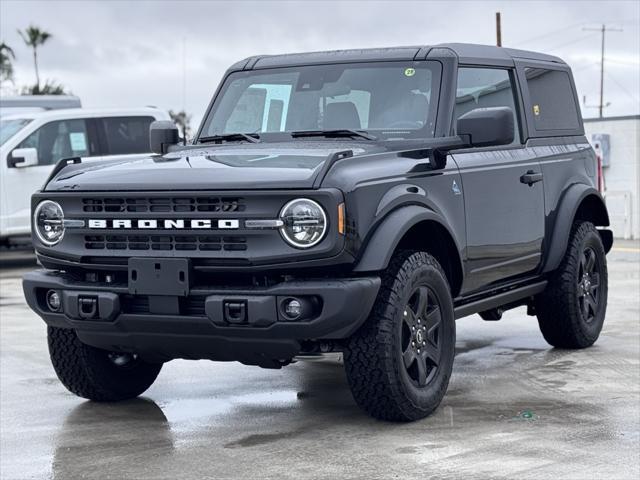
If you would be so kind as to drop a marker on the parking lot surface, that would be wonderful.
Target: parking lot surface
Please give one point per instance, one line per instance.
(515, 408)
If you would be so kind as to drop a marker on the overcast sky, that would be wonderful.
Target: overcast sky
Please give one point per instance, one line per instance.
(122, 53)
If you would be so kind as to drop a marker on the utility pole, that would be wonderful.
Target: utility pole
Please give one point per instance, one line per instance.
(498, 30)
(603, 30)
(184, 73)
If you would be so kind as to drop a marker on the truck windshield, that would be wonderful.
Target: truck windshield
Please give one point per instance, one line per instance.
(389, 100)
(8, 128)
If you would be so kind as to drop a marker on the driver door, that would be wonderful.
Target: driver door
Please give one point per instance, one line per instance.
(504, 213)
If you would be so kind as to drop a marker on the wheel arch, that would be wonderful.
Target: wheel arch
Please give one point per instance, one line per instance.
(413, 228)
(580, 202)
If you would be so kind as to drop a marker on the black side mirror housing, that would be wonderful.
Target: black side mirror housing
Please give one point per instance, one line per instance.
(486, 127)
(163, 134)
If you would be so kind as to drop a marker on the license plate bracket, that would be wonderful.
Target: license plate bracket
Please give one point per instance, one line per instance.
(159, 276)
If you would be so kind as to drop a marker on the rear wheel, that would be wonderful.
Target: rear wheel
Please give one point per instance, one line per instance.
(399, 363)
(97, 374)
(572, 308)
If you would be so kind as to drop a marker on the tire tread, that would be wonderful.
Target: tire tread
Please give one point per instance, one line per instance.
(80, 370)
(373, 376)
(558, 314)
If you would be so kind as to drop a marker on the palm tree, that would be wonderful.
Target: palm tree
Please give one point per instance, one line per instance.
(183, 121)
(6, 67)
(34, 37)
(50, 87)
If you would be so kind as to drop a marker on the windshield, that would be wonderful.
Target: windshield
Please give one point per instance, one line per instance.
(8, 128)
(388, 99)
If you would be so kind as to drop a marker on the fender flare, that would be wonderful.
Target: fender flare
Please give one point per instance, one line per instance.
(387, 235)
(569, 204)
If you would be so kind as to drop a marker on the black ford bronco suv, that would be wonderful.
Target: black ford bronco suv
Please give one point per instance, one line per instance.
(352, 201)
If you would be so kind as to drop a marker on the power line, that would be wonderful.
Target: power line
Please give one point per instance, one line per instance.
(622, 62)
(623, 88)
(566, 28)
(584, 67)
(571, 42)
(548, 34)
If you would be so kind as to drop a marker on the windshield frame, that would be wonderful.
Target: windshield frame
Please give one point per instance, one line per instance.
(435, 66)
(26, 121)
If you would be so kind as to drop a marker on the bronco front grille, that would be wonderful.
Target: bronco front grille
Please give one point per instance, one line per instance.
(165, 242)
(164, 204)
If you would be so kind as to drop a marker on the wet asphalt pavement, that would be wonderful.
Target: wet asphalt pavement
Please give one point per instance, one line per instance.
(515, 408)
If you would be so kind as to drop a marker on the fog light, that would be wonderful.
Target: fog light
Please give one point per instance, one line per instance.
(53, 301)
(292, 308)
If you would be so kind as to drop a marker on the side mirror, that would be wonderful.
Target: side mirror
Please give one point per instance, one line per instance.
(163, 134)
(23, 157)
(486, 127)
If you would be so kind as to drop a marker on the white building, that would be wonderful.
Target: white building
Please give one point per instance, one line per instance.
(622, 175)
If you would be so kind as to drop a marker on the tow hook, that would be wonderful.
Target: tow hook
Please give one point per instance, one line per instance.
(235, 312)
(87, 307)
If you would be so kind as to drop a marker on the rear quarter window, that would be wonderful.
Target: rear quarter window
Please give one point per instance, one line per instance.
(553, 105)
(126, 135)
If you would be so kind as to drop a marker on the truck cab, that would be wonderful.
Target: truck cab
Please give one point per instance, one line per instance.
(32, 142)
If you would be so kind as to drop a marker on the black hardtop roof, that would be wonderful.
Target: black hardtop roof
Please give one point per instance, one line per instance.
(467, 53)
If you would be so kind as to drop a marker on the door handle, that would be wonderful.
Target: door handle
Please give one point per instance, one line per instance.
(531, 177)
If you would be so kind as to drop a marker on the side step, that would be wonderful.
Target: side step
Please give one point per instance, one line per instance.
(499, 300)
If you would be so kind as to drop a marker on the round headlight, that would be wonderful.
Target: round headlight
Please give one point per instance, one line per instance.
(48, 222)
(305, 223)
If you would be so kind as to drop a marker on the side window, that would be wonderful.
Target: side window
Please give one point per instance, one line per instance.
(486, 87)
(126, 135)
(59, 139)
(552, 100)
(260, 108)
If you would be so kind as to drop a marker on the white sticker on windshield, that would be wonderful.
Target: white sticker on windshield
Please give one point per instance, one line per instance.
(78, 141)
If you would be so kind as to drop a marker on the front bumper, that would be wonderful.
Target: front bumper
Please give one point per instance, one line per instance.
(163, 330)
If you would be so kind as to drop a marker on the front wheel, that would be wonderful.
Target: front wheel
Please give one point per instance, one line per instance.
(97, 374)
(399, 363)
(572, 308)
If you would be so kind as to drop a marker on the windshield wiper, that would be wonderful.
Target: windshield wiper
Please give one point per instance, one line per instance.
(344, 132)
(251, 137)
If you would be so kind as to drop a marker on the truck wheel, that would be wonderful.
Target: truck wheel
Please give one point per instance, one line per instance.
(98, 374)
(571, 309)
(399, 362)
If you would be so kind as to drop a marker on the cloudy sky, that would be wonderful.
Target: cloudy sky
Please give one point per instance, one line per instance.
(125, 53)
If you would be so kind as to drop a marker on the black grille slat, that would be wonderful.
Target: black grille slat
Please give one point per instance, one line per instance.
(210, 247)
(165, 242)
(164, 205)
(135, 304)
(192, 306)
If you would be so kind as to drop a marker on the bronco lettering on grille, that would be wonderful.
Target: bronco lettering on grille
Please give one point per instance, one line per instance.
(154, 224)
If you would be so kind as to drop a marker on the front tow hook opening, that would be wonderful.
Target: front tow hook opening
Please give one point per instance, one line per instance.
(87, 307)
(235, 312)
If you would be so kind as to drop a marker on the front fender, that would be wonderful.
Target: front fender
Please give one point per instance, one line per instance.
(379, 249)
(566, 214)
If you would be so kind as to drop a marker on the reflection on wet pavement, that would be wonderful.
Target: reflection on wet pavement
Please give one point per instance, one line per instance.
(515, 409)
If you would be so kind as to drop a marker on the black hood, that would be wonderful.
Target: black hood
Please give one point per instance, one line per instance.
(292, 165)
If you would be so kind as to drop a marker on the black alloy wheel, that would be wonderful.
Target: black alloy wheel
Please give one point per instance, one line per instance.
(419, 339)
(588, 285)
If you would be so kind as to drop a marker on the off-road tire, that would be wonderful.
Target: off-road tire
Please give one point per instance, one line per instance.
(560, 306)
(379, 380)
(90, 373)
